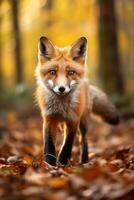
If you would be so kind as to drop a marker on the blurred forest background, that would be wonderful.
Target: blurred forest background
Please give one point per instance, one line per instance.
(109, 28)
(108, 25)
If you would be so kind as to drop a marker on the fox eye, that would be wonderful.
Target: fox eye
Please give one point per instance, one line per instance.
(71, 72)
(52, 72)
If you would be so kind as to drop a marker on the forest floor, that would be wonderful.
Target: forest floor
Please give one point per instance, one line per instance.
(24, 175)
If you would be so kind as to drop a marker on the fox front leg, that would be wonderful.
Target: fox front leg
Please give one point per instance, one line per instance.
(65, 153)
(84, 153)
(49, 134)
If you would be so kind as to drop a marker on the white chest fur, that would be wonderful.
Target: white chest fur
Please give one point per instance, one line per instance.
(62, 107)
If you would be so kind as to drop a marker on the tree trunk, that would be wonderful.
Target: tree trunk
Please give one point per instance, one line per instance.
(110, 70)
(48, 8)
(49, 4)
(16, 32)
(1, 81)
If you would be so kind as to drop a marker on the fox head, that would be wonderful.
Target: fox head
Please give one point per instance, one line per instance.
(60, 70)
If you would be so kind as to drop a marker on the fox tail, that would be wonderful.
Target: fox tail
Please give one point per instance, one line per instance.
(103, 107)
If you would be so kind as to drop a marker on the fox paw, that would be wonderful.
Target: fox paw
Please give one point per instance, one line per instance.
(50, 159)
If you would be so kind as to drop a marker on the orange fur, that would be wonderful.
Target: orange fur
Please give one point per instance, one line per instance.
(66, 68)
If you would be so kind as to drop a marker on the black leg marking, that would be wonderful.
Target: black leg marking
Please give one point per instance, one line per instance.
(49, 148)
(84, 154)
(66, 151)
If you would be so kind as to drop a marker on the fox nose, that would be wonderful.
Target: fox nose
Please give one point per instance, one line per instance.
(61, 89)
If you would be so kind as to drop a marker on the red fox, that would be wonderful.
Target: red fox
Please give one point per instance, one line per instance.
(65, 95)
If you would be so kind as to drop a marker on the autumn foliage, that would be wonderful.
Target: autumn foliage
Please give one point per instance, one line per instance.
(108, 26)
(24, 175)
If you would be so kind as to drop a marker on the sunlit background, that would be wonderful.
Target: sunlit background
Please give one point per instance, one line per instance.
(108, 25)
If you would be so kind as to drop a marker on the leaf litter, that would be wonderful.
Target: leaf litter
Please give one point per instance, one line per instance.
(24, 174)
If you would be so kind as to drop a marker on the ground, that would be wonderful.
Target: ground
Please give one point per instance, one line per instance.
(24, 175)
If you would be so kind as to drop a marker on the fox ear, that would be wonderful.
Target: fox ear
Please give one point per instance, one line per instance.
(79, 49)
(46, 48)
